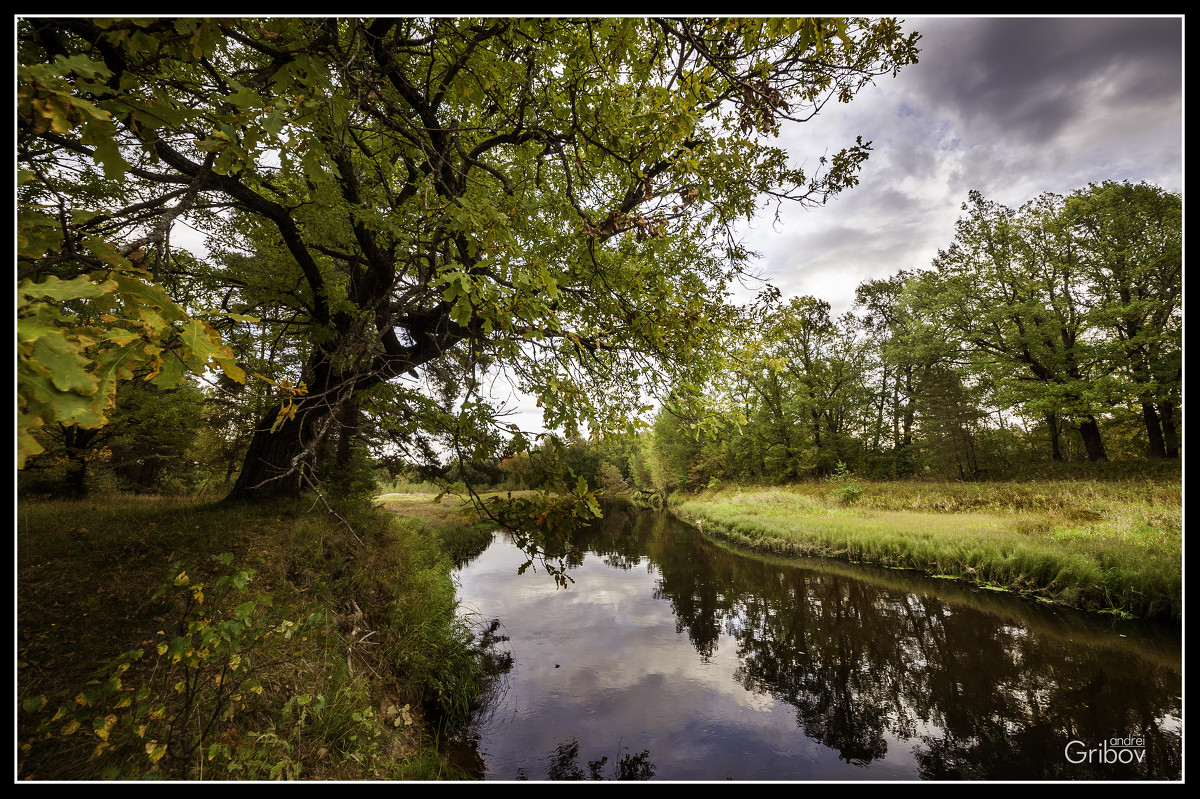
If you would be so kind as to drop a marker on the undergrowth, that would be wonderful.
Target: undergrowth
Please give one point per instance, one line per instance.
(180, 640)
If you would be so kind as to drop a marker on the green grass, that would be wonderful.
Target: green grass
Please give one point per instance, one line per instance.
(359, 694)
(1096, 545)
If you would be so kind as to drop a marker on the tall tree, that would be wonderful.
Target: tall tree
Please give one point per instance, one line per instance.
(1130, 245)
(1013, 290)
(887, 320)
(554, 197)
(825, 359)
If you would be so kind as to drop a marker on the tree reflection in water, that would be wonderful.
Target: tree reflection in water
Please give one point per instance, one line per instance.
(564, 765)
(977, 687)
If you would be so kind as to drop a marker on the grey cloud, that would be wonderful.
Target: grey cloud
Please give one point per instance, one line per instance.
(1011, 107)
(1029, 77)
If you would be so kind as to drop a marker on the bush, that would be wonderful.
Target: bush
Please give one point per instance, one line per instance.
(849, 490)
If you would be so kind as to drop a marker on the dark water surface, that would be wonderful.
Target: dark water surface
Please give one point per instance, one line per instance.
(690, 661)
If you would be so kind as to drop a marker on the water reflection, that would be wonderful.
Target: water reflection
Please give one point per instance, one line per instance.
(564, 766)
(886, 675)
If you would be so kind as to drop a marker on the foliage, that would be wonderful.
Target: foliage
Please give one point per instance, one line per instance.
(1048, 332)
(78, 339)
(1130, 243)
(444, 198)
(147, 445)
(543, 524)
(348, 698)
(89, 314)
(168, 718)
(848, 489)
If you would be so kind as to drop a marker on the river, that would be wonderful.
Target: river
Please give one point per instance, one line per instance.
(671, 657)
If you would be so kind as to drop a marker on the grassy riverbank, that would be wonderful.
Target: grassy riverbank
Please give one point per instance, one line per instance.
(1108, 545)
(313, 649)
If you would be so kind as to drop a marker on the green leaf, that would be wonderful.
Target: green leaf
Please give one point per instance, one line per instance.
(548, 282)
(38, 233)
(179, 647)
(170, 374)
(102, 137)
(63, 363)
(51, 288)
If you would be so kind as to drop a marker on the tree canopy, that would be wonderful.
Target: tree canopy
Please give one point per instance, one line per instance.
(398, 197)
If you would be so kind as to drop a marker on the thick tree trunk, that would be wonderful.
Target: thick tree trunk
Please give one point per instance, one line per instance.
(78, 443)
(1154, 433)
(1166, 412)
(1090, 431)
(347, 431)
(275, 461)
(1055, 449)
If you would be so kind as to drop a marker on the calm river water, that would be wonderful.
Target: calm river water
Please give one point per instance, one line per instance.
(673, 658)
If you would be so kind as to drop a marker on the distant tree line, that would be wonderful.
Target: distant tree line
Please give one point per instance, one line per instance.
(1050, 332)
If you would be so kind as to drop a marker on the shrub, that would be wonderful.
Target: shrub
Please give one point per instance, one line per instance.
(168, 717)
(848, 490)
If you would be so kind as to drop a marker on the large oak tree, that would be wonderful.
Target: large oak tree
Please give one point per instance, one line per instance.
(394, 196)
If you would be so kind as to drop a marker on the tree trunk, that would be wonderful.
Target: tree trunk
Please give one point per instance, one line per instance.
(1090, 431)
(1154, 432)
(1166, 411)
(347, 431)
(78, 443)
(275, 461)
(1055, 449)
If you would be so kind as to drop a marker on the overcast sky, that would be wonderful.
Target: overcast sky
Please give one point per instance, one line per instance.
(1010, 106)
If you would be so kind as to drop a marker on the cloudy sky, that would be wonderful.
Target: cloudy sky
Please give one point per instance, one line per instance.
(1010, 106)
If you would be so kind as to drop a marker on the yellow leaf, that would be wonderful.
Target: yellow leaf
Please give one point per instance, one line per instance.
(155, 751)
(109, 722)
(233, 371)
